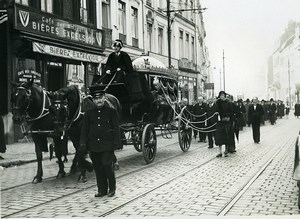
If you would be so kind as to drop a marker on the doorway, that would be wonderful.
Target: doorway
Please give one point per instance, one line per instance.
(55, 76)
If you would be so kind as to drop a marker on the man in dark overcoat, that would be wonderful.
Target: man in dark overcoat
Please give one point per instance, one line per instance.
(100, 135)
(272, 111)
(297, 109)
(119, 63)
(2, 137)
(256, 111)
(199, 111)
(224, 132)
(212, 119)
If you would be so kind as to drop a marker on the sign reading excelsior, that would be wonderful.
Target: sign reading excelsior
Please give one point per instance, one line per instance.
(48, 25)
(65, 53)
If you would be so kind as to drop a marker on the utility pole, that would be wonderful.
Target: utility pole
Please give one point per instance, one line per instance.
(289, 73)
(169, 33)
(223, 70)
(169, 25)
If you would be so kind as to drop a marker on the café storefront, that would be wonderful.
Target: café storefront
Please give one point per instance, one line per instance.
(53, 51)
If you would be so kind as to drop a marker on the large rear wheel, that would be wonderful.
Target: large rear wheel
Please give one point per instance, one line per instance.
(184, 132)
(149, 143)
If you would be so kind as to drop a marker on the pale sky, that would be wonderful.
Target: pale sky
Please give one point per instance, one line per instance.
(247, 31)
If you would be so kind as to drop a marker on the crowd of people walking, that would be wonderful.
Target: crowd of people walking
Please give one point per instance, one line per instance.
(221, 119)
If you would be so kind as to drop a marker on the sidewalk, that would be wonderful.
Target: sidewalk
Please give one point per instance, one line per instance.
(22, 153)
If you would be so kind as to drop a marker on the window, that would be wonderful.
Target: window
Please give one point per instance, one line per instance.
(122, 17)
(134, 22)
(193, 49)
(191, 12)
(22, 2)
(187, 45)
(149, 36)
(87, 11)
(106, 13)
(181, 44)
(160, 40)
(31, 3)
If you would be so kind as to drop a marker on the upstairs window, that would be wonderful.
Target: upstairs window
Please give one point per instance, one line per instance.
(160, 40)
(87, 11)
(106, 13)
(122, 17)
(134, 22)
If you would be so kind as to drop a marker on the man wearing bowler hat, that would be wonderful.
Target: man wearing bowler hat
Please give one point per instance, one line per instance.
(100, 135)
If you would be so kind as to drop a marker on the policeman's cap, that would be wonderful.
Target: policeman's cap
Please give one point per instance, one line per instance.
(98, 93)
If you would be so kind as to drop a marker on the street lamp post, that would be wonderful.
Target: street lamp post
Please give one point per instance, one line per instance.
(289, 73)
(223, 70)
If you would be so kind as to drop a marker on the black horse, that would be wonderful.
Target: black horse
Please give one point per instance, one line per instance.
(67, 110)
(30, 103)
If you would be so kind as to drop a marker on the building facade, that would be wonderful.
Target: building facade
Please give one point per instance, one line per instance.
(62, 43)
(284, 68)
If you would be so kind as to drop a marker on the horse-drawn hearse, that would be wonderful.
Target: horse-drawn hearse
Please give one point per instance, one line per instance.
(59, 114)
(149, 108)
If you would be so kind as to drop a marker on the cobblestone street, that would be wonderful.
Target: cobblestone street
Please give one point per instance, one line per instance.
(195, 183)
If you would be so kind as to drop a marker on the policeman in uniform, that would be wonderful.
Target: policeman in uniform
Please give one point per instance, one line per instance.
(100, 135)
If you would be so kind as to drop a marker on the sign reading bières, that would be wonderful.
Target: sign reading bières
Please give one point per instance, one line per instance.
(47, 25)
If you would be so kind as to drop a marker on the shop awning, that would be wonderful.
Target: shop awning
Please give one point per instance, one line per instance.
(66, 53)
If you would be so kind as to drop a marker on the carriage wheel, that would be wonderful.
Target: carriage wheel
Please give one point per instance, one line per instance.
(149, 143)
(298, 184)
(136, 141)
(184, 134)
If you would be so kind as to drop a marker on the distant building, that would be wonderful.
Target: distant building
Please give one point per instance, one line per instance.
(284, 67)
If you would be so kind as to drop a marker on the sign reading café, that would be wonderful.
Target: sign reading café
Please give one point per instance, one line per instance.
(48, 25)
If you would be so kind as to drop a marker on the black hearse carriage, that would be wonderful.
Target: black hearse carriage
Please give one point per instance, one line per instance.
(155, 111)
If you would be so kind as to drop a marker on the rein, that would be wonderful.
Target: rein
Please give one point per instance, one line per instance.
(44, 110)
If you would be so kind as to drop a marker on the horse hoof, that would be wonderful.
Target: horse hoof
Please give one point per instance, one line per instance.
(116, 166)
(82, 179)
(73, 170)
(37, 179)
(61, 175)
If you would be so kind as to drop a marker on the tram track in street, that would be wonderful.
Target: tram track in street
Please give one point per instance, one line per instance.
(69, 174)
(223, 210)
(89, 187)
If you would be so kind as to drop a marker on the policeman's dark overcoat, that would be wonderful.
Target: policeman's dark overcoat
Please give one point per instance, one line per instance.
(100, 131)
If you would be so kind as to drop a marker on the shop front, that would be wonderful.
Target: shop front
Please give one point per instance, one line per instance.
(55, 52)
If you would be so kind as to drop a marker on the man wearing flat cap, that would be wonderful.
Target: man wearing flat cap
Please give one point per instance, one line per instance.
(100, 135)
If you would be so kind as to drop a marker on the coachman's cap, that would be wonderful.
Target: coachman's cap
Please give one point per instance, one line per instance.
(118, 43)
(96, 91)
(271, 99)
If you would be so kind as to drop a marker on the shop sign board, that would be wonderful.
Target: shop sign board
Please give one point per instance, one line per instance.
(65, 53)
(49, 25)
(27, 75)
(208, 86)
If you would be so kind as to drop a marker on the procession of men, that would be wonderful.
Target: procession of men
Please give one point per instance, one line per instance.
(219, 120)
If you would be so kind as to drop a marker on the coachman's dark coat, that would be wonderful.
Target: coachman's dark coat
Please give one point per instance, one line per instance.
(225, 132)
(130, 78)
